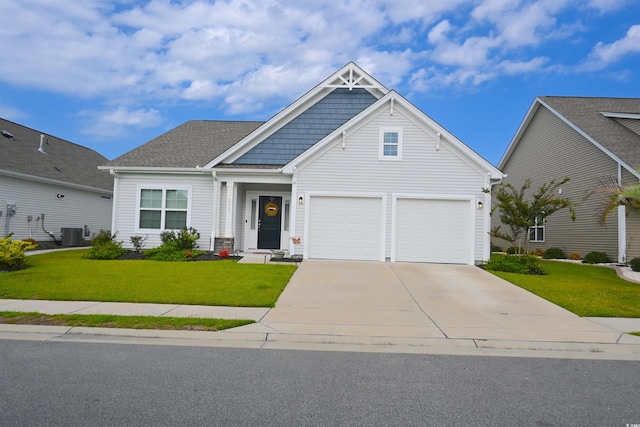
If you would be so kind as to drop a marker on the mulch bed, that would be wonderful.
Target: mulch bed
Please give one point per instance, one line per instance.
(207, 256)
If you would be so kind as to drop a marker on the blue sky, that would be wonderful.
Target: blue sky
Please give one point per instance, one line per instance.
(114, 74)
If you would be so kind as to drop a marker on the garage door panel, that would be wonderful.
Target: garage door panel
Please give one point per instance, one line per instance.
(345, 227)
(432, 230)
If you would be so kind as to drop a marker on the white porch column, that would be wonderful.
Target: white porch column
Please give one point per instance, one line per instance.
(230, 216)
(622, 234)
(215, 210)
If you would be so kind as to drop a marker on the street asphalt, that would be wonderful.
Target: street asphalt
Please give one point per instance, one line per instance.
(370, 307)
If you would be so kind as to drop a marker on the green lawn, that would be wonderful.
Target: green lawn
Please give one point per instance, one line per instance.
(66, 276)
(113, 321)
(586, 290)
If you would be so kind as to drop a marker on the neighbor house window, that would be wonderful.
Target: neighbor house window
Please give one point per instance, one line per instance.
(163, 209)
(390, 143)
(536, 233)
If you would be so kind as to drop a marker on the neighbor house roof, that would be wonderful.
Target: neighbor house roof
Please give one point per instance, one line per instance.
(612, 123)
(191, 144)
(58, 159)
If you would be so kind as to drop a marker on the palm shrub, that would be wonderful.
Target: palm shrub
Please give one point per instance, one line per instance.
(12, 255)
(553, 253)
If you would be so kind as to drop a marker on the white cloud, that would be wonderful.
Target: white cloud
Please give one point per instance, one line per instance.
(118, 121)
(250, 55)
(11, 113)
(605, 54)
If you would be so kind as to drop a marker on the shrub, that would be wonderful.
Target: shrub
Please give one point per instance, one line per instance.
(596, 257)
(223, 253)
(104, 236)
(635, 264)
(182, 240)
(495, 248)
(138, 242)
(514, 250)
(537, 252)
(574, 256)
(521, 264)
(170, 253)
(104, 246)
(12, 255)
(31, 241)
(554, 253)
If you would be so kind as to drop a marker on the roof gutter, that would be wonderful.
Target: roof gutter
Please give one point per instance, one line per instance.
(55, 182)
(154, 170)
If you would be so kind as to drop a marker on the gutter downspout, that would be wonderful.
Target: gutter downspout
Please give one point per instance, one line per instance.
(114, 207)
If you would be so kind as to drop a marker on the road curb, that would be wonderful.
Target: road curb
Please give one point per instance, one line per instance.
(278, 341)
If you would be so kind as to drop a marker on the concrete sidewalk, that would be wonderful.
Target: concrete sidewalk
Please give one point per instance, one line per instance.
(369, 306)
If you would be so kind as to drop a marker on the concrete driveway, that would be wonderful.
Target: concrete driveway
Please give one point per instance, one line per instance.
(379, 299)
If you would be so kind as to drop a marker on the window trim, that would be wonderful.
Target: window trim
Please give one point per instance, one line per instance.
(381, 143)
(164, 188)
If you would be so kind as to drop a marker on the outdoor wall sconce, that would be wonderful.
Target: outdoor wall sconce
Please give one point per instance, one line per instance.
(300, 200)
(480, 205)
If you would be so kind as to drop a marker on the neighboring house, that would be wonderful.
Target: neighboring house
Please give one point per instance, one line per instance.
(588, 140)
(351, 170)
(48, 184)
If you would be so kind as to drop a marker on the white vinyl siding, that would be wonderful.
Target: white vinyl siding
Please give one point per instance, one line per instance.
(426, 169)
(199, 213)
(75, 210)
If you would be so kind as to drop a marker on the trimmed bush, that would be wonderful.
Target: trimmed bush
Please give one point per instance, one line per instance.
(521, 264)
(537, 252)
(575, 256)
(635, 264)
(554, 253)
(596, 257)
(495, 248)
(12, 255)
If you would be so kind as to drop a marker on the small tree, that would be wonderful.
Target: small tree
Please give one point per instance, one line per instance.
(519, 213)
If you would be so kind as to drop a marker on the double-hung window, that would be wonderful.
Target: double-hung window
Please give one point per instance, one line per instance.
(536, 232)
(163, 209)
(390, 144)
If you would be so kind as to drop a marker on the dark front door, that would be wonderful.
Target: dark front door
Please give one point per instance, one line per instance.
(269, 224)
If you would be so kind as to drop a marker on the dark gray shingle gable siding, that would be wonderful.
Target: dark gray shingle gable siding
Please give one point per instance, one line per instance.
(308, 128)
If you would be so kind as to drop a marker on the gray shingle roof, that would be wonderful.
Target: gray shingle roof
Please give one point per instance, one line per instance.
(64, 161)
(585, 113)
(194, 143)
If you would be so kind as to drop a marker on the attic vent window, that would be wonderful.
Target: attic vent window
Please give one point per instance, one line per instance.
(7, 134)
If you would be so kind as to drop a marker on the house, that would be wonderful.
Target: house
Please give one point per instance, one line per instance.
(587, 140)
(351, 170)
(51, 188)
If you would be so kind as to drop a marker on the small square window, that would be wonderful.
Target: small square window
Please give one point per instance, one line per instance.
(390, 144)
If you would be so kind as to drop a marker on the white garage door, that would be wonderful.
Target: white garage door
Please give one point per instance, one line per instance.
(433, 231)
(345, 228)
